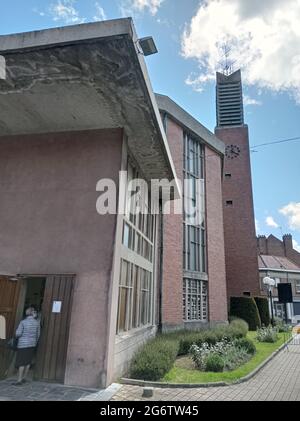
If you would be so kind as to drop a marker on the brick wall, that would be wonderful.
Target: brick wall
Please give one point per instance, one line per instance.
(239, 226)
(215, 238)
(172, 309)
(173, 243)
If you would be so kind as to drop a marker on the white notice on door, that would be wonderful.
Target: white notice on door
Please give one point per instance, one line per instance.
(56, 307)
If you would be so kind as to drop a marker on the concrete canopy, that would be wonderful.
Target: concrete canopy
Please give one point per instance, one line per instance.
(83, 77)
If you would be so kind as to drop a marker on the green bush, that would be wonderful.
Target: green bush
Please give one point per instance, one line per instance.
(215, 363)
(211, 337)
(154, 359)
(245, 308)
(281, 325)
(267, 334)
(263, 309)
(238, 328)
(186, 341)
(246, 344)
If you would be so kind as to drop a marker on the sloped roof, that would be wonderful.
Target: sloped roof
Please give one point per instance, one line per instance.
(277, 263)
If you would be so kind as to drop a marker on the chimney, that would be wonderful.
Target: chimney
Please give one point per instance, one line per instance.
(262, 244)
(288, 243)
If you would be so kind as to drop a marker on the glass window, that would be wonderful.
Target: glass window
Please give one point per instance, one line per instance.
(194, 236)
(135, 297)
(194, 300)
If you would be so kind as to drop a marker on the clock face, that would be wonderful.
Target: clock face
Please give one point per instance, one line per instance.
(232, 151)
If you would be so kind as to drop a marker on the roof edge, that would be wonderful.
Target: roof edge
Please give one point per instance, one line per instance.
(66, 34)
(169, 106)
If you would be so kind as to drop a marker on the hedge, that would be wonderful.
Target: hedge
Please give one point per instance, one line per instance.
(155, 359)
(245, 308)
(263, 309)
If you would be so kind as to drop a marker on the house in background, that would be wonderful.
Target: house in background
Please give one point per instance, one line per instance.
(77, 107)
(280, 261)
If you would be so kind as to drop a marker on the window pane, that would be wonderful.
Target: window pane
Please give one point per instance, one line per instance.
(194, 300)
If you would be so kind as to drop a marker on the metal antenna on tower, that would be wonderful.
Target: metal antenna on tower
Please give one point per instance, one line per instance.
(225, 62)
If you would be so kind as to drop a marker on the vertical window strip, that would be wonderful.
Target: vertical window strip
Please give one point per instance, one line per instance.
(194, 300)
(136, 292)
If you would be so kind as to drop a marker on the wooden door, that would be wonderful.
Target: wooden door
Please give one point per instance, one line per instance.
(9, 297)
(52, 348)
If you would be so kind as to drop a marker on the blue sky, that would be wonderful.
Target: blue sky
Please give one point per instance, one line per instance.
(264, 39)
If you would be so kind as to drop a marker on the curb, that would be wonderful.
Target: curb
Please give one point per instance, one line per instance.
(161, 385)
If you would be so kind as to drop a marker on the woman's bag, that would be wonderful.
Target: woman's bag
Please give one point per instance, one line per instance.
(12, 344)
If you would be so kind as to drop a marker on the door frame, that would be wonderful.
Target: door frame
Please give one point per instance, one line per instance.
(24, 276)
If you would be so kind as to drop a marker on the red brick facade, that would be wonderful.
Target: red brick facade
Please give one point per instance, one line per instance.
(239, 224)
(172, 282)
(172, 313)
(215, 238)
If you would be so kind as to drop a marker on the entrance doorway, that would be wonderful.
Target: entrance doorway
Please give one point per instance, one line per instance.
(52, 297)
(35, 289)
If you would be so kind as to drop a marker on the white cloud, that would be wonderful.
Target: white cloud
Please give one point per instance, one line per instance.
(257, 225)
(264, 36)
(100, 14)
(292, 212)
(251, 101)
(131, 6)
(66, 12)
(296, 245)
(271, 222)
(36, 10)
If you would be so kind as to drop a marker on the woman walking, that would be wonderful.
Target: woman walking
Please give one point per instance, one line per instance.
(28, 334)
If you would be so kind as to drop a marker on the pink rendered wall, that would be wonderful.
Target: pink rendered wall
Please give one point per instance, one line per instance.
(49, 225)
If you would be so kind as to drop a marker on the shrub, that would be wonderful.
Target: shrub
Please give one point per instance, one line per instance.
(238, 328)
(267, 334)
(215, 363)
(234, 357)
(154, 359)
(281, 325)
(246, 309)
(224, 355)
(211, 337)
(246, 344)
(263, 309)
(186, 341)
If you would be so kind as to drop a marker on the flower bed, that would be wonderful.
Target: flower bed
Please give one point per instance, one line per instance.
(225, 355)
(184, 371)
(158, 356)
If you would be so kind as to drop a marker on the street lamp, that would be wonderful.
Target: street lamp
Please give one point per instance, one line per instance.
(270, 282)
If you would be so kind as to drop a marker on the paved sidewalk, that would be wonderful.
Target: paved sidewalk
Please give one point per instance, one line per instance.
(39, 391)
(279, 380)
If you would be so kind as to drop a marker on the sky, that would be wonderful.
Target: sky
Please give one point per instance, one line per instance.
(191, 35)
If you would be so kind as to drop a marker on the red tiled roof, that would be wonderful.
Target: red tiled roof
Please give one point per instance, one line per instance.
(276, 262)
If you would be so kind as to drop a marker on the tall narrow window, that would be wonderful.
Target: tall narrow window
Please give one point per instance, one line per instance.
(194, 207)
(194, 232)
(136, 283)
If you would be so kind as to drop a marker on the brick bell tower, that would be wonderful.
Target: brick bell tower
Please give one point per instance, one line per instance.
(239, 223)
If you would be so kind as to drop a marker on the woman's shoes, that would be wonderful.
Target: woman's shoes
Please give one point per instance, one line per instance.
(20, 383)
(17, 383)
